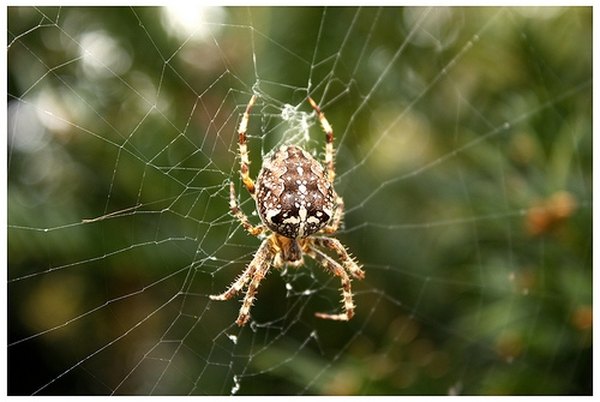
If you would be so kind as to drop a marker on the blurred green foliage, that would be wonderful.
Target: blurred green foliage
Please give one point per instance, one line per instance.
(464, 159)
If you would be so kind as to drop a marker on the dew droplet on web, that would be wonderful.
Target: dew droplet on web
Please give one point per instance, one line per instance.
(233, 338)
(236, 385)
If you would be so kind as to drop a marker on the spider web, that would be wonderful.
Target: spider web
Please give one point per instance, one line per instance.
(463, 153)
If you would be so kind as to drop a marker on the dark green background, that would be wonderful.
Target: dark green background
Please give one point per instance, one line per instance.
(464, 158)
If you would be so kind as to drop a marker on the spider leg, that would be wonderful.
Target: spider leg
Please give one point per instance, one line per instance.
(240, 215)
(262, 263)
(328, 139)
(348, 262)
(337, 217)
(256, 271)
(243, 148)
(237, 285)
(336, 269)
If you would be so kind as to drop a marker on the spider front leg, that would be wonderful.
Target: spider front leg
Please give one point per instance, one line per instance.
(256, 271)
(336, 246)
(337, 270)
(237, 285)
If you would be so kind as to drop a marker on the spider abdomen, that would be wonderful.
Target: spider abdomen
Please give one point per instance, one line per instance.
(294, 196)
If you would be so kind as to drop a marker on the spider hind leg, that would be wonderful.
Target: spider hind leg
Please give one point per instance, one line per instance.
(243, 148)
(234, 207)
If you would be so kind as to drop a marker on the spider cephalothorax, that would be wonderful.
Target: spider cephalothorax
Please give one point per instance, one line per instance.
(296, 201)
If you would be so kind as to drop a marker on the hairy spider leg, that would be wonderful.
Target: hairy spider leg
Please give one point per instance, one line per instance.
(240, 215)
(243, 148)
(328, 139)
(262, 262)
(338, 213)
(348, 262)
(256, 271)
(336, 269)
(237, 285)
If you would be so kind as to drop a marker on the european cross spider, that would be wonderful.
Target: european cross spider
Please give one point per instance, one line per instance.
(296, 202)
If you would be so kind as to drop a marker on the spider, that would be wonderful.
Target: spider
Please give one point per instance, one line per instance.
(296, 202)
